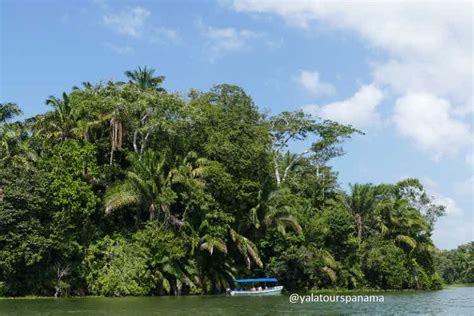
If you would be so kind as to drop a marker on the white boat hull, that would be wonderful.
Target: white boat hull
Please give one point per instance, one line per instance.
(276, 290)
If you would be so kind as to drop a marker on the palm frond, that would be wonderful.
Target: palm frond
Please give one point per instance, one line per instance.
(407, 240)
(330, 273)
(122, 196)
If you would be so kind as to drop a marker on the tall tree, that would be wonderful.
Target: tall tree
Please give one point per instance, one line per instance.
(288, 127)
(361, 203)
(144, 78)
(58, 124)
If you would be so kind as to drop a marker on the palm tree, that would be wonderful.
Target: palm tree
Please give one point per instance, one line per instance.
(15, 146)
(87, 86)
(360, 203)
(411, 232)
(246, 248)
(405, 225)
(209, 243)
(217, 271)
(144, 79)
(58, 124)
(324, 262)
(213, 260)
(273, 209)
(218, 245)
(110, 113)
(170, 264)
(170, 275)
(148, 185)
(7, 132)
(280, 213)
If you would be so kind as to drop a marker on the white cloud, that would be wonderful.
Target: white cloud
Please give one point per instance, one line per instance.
(360, 110)
(121, 50)
(228, 39)
(129, 21)
(428, 51)
(162, 35)
(427, 120)
(451, 208)
(312, 83)
(429, 44)
(135, 22)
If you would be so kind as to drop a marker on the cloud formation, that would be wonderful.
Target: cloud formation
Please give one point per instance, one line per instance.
(134, 22)
(360, 110)
(221, 40)
(427, 120)
(311, 82)
(429, 43)
(128, 21)
(428, 51)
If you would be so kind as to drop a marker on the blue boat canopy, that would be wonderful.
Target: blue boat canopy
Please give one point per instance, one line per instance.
(256, 280)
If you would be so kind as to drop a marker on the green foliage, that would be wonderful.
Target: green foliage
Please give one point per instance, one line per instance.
(333, 228)
(71, 168)
(24, 240)
(457, 265)
(384, 266)
(171, 269)
(124, 188)
(117, 267)
(143, 78)
(8, 111)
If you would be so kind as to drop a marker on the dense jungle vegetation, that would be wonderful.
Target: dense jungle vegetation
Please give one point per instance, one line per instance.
(124, 188)
(457, 265)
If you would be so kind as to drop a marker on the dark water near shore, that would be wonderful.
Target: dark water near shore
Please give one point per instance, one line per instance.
(450, 301)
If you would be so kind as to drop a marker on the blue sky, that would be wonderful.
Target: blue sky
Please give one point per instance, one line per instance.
(401, 72)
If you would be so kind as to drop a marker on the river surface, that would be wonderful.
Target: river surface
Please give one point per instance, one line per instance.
(450, 301)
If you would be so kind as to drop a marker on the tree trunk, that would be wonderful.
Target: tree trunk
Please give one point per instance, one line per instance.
(277, 172)
(165, 209)
(358, 219)
(359, 228)
(111, 155)
(135, 147)
(152, 211)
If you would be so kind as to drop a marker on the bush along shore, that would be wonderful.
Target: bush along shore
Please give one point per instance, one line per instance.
(124, 188)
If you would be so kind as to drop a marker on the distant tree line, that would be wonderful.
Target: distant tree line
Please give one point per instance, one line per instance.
(457, 265)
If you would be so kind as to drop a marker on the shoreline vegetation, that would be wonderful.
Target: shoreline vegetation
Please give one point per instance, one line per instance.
(126, 189)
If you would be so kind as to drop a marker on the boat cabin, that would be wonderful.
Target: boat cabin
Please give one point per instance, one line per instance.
(257, 286)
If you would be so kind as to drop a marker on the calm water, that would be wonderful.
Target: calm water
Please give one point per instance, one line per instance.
(451, 301)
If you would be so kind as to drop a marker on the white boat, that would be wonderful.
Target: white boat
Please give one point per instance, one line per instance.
(247, 287)
(274, 290)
